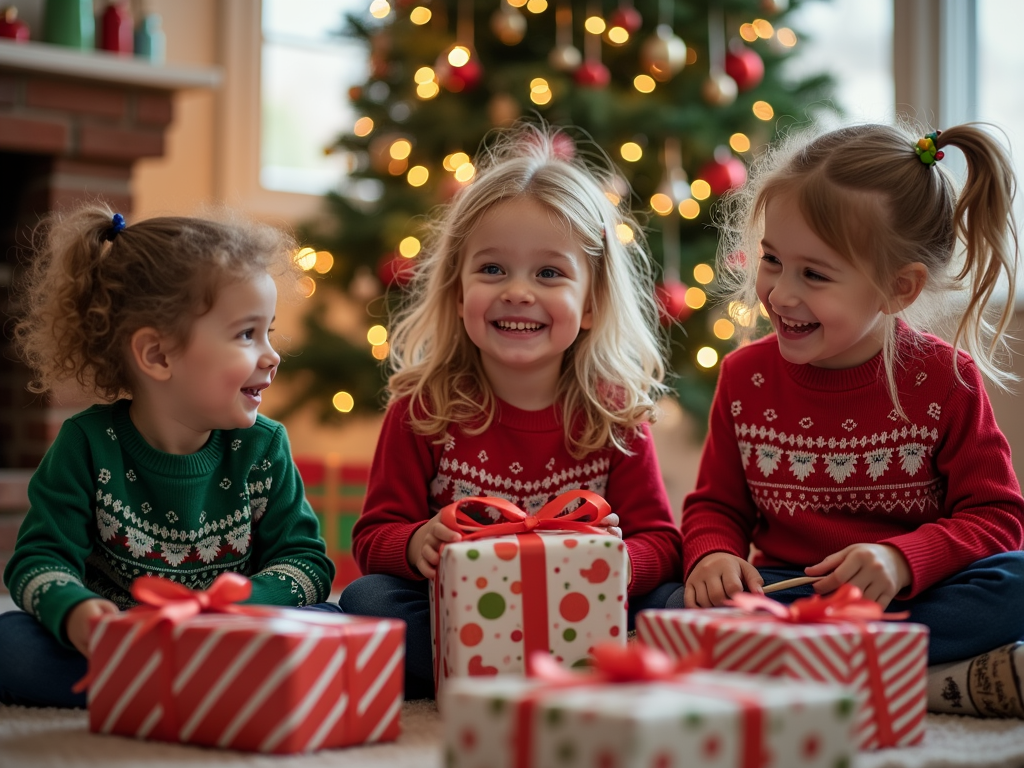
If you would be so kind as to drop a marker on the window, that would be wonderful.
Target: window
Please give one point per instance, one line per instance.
(308, 68)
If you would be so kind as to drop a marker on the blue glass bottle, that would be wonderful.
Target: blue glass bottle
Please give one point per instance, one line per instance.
(150, 40)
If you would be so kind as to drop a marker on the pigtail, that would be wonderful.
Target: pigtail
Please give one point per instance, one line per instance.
(985, 224)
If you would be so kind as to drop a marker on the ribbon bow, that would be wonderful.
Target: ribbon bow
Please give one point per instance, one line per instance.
(615, 664)
(583, 519)
(845, 604)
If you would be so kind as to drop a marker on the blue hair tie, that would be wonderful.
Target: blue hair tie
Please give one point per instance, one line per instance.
(116, 225)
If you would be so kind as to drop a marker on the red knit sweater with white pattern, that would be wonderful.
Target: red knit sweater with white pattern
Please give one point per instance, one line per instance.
(804, 461)
(522, 457)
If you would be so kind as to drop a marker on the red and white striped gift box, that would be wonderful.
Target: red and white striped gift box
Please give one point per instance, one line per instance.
(884, 662)
(283, 682)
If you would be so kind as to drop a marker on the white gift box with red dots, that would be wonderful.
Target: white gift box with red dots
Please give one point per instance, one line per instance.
(725, 720)
(496, 599)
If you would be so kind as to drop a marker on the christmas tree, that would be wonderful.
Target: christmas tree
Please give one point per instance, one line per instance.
(679, 93)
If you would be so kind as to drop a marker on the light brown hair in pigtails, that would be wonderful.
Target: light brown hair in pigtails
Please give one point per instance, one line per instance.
(84, 293)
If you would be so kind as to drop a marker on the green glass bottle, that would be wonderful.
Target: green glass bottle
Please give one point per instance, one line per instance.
(70, 23)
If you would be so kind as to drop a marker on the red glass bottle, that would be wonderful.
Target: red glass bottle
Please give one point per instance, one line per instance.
(116, 29)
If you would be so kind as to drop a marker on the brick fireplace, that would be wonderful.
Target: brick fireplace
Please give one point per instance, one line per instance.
(72, 125)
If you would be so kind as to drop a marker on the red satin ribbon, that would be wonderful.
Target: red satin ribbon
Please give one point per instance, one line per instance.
(846, 605)
(615, 665)
(533, 568)
(166, 603)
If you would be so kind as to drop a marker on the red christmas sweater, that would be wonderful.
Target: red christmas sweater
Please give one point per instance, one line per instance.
(803, 461)
(522, 457)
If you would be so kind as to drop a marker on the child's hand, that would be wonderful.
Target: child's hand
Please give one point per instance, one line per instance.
(611, 522)
(79, 622)
(879, 570)
(717, 577)
(422, 552)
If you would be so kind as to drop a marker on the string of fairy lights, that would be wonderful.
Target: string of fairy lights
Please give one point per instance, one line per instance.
(663, 55)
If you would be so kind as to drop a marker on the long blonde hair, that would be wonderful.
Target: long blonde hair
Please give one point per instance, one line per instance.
(864, 191)
(612, 373)
(85, 294)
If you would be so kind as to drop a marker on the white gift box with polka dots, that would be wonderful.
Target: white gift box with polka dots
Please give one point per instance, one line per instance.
(497, 599)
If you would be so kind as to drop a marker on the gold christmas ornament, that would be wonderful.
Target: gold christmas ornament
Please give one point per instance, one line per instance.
(719, 90)
(508, 24)
(663, 54)
(565, 58)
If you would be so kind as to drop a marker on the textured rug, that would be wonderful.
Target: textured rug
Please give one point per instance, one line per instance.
(52, 738)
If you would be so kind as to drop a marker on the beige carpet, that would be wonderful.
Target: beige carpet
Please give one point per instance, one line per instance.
(52, 738)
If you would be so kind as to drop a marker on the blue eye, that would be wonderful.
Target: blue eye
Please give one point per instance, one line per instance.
(491, 269)
(548, 273)
(247, 334)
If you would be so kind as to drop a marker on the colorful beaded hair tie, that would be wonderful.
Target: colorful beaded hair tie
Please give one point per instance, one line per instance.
(116, 225)
(926, 151)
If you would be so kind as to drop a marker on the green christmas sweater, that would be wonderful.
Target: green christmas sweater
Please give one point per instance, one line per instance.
(105, 507)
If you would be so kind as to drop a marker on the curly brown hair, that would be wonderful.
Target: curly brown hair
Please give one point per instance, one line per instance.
(84, 293)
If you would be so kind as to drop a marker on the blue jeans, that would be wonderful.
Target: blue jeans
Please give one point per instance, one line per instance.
(36, 670)
(976, 610)
(391, 597)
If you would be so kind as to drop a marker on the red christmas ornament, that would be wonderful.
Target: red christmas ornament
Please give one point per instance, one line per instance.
(459, 79)
(744, 66)
(116, 29)
(592, 74)
(723, 173)
(355, 93)
(394, 269)
(627, 17)
(672, 306)
(11, 27)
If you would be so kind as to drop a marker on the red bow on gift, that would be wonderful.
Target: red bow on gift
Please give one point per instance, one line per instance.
(583, 519)
(168, 601)
(845, 604)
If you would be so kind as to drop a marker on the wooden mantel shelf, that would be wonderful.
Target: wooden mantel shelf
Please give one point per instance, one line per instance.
(99, 66)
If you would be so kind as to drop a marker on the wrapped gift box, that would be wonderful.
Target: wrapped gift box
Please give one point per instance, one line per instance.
(717, 719)
(496, 599)
(282, 681)
(885, 662)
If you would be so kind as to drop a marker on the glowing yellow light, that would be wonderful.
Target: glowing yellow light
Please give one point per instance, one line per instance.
(397, 167)
(307, 286)
(324, 262)
(739, 142)
(643, 83)
(539, 84)
(662, 203)
(409, 247)
(517, 3)
(380, 8)
(695, 298)
(723, 329)
(400, 149)
(763, 110)
(741, 315)
(707, 357)
(417, 176)
(378, 334)
(458, 56)
(363, 126)
(613, 198)
(305, 258)
(343, 402)
(537, 6)
(700, 189)
(427, 91)
(454, 160)
(380, 352)
(631, 151)
(689, 209)
(624, 233)
(618, 36)
(420, 15)
(540, 97)
(763, 312)
(703, 274)
(465, 172)
(786, 36)
(763, 28)
(424, 75)
(748, 33)
(595, 25)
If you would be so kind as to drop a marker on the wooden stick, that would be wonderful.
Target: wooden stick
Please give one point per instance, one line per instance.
(789, 583)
